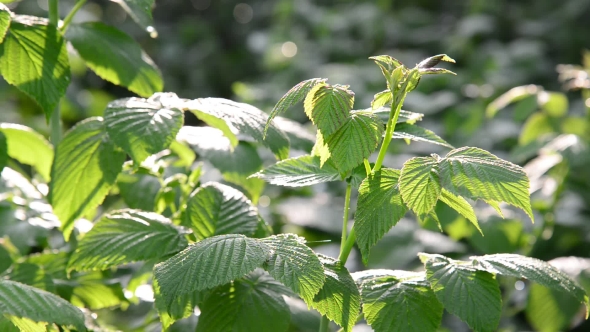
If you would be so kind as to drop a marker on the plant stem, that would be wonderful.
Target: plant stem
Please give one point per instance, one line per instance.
(367, 166)
(55, 120)
(71, 14)
(345, 251)
(345, 216)
(393, 116)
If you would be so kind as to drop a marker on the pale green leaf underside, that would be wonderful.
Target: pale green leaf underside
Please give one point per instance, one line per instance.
(532, 269)
(240, 118)
(21, 300)
(35, 60)
(400, 301)
(339, 298)
(209, 263)
(328, 106)
(379, 208)
(404, 116)
(292, 97)
(142, 127)
(216, 209)
(355, 140)
(139, 10)
(295, 265)
(127, 236)
(5, 17)
(250, 304)
(115, 57)
(419, 184)
(381, 99)
(299, 172)
(460, 205)
(477, 174)
(28, 147)
(471, 294)
(86, 165)
(418, 134)
(300, 136)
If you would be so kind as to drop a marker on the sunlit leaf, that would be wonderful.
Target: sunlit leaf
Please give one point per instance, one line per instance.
(142, 127)
(115, 57)
(216, 209)
(418, 134)
(295, 265)
(355, 140)
(339, 298)
(33, 57)
(328, 107)
(86, 165)
(38, 305)
(549, 310)
(209, 263)
(127, 236)
(381, 99)
(460, 205)
(139, 10)
(299, 172)
(28, 147)
(292, 97)
(420, 184)
(5, 17)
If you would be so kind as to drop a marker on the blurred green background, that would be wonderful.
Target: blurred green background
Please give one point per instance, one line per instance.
(255, 51)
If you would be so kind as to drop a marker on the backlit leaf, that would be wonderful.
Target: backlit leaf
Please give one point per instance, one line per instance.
(460, 205)
(328, 106)
(86, 165)
(420, 184)
(33, 57)
(5, 17)
(139, 10)
(115, 57)
(28, 147)
(418, 134)
(127, 236)
(299, 172)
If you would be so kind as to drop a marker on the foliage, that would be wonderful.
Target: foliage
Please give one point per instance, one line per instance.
(124, 203)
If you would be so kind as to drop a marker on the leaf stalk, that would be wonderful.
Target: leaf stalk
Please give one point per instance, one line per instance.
(71, 14)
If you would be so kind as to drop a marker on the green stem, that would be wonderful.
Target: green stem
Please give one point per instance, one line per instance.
(345, 251)
(393, 116)
(367, 166)
(71, 15)
(324, 324)
(345, 215)
(54, 12)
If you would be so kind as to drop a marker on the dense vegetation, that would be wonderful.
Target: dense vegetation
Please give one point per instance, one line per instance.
(154, 213)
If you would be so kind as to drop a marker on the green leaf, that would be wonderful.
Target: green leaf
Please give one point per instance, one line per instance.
(115, 57)
(240, 118)
(400, 301)
(3, 151)
(536, 125)
(216, 209)
(356, 139)
(379, 208)
(38, 305)
(183, 306)
(5, 18)
(295, 265)
(533, 269)
(9, 323)
(299, 172)
(28, 147)
(339, 298)
(93, 292)
(33, 57)
(555, 104)
(471, 294)
(434, 60)
(139, 190)
(328, 106)
(548, 310)
(209, 263)
(511, 96)
(236, 164)
(5, 259)
(418, 134)
(127, 236)
(140, 11)
(254, 303)
(477, 174)
(142, 127)
(420, 184)
(460, 205)
(320, 149)
(292, 97)
(32, 275)
(381, 99)
(86, 165)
